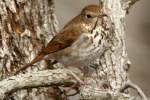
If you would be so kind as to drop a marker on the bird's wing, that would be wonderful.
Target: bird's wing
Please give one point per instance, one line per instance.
(60, 41)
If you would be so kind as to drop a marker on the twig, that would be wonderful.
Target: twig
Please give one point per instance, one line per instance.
(128, 4)
(130, 84)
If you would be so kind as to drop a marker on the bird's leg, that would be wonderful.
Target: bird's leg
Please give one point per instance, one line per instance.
(77, 78)
(94, 69)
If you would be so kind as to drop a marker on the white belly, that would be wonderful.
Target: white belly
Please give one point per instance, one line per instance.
(85, 50)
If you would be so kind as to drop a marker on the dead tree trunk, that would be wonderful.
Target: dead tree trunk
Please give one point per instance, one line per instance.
(27, 25)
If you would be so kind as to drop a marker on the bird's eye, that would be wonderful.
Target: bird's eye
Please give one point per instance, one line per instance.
(88, 16)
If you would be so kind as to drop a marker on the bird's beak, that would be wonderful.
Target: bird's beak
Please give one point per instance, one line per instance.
(102, 15)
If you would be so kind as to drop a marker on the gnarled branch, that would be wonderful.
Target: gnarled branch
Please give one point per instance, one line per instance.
(46, 78)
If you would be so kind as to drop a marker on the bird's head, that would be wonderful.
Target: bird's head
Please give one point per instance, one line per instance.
(86, 20)
(90, 13)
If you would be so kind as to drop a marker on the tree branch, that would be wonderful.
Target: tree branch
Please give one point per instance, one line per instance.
(130, 84)
(45, 78)
(127, 4)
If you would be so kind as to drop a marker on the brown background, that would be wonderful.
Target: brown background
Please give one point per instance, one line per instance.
(137, 35)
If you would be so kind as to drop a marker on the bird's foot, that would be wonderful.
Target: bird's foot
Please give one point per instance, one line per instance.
(77, 78)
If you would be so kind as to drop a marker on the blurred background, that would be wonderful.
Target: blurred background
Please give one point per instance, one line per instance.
(137, 35)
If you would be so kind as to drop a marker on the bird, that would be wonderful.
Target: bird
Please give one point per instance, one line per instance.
(75, 45)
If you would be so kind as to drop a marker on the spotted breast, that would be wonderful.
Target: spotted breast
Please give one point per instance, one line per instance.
(86, 49)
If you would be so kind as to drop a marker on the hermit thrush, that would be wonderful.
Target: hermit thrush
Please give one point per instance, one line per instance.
(75, 45)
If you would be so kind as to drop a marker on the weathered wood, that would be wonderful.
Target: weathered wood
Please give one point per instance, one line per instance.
(25, 27)
(59, 77)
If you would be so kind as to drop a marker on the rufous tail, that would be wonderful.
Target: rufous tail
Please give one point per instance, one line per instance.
(36, 59)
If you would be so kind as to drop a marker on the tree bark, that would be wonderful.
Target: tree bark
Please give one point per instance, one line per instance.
(27, 25)
(46, 78)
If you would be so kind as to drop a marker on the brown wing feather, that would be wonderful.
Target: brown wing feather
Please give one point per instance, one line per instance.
(59, 42)
(36, 59)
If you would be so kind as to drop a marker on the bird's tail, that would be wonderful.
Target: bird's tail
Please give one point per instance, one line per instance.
(36, 59)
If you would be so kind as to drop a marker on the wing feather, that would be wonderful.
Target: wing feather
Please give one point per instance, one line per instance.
(61, 41)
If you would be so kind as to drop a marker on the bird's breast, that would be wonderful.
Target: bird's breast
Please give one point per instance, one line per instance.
(84, 50)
